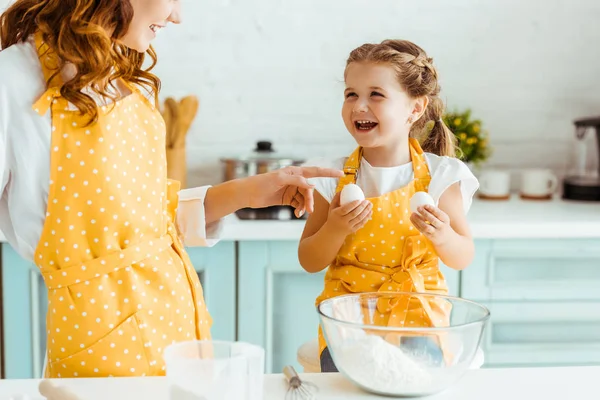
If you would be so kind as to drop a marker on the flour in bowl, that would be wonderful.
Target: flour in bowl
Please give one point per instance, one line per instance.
(382, 367)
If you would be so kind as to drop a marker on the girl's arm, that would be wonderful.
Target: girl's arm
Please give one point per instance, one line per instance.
(327, 228)
(448, 229)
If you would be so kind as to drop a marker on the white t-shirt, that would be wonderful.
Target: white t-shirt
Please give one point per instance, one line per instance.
(25, 160)
(376, 181)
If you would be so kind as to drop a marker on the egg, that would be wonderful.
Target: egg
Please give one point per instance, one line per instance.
(420, 199)
(350, 193)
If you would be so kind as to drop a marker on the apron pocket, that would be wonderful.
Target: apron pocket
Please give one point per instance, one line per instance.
(120, 353)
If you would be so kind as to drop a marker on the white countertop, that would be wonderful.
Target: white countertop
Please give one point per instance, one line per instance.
(514, 218)
(571, 383)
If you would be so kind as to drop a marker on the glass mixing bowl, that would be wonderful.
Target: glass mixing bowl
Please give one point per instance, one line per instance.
(407, 360)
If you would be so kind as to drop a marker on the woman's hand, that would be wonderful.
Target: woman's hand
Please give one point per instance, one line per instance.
(433, 223)
(286, 186)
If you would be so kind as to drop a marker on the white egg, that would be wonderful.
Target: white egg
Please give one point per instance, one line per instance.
(350, 193)
(420, 199)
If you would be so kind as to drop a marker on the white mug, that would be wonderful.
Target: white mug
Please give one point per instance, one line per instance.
(538, 183)
(494, 184)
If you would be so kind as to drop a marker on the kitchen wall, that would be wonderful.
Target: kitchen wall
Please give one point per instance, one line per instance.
(272, 69)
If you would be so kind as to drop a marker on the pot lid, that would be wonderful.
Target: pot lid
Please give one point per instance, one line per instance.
(265, 152)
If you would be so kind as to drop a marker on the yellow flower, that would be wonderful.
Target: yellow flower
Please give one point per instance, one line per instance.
(476, 128)
(462, 136)
(457, 121)
(472, 140)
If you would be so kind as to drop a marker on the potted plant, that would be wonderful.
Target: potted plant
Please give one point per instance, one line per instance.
(472, 140)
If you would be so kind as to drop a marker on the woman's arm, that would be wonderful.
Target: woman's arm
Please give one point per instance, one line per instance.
(224, 199)
(286, 186)
(4, 145)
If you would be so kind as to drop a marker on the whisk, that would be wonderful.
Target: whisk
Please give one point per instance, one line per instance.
(298, 390)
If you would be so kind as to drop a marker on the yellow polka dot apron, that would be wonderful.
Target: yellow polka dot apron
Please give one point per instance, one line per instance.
(120, 285)
(389, 255)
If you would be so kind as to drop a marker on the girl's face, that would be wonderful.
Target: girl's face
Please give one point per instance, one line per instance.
(149, 17)
(376, 107)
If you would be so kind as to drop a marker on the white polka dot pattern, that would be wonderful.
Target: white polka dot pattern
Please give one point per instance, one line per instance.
(389, 255)
(120, 285)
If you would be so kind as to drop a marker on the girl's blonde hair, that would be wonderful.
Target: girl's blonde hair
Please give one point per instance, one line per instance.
(77, 32)
(417, 75)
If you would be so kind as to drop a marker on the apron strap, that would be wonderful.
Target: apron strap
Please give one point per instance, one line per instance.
(94, 268)
(351, 168)
(420, 169)
(50, 96)
(51, 68)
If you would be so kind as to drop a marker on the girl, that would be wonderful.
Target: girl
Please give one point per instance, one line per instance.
(391, 96)
(83, 185)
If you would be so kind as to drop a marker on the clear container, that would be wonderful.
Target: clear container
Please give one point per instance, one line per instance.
(401, 361)
(215, 370)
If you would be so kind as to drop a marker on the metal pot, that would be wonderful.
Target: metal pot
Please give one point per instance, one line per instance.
(263, 159)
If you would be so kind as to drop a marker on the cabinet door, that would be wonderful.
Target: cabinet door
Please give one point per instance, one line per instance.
(216, 269)
(276, 300)
(536, 269)
(542, 334)
(24, 302)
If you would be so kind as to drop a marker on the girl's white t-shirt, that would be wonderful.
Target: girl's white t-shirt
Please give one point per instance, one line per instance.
(376, 181)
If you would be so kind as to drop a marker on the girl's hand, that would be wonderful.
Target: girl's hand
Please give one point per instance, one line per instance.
(433, 223)
(350, 217)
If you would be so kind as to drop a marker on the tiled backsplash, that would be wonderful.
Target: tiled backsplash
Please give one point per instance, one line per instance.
(272, 69)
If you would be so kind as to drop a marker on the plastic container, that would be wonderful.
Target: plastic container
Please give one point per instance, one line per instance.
(215, 370)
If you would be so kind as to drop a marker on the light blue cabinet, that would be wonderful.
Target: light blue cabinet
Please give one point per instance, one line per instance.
(557, 333)
(25, 303)
(544, 299)
(543, 295)
(276, 300)
(216, 267)
(534, 269)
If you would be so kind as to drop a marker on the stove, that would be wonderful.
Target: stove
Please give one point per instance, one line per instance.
(278, 213)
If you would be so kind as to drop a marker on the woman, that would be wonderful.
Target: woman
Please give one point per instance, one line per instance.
(84, 188)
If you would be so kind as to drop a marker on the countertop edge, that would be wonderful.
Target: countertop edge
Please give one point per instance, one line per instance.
(512, 219)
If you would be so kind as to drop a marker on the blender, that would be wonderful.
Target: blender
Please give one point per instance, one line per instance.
(582, 181)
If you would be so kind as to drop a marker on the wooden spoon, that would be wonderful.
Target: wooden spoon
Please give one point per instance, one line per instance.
(172, 131)
(166, 114)
(188, 108)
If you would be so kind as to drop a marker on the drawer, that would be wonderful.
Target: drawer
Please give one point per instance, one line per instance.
(542, 269)
(542, 334)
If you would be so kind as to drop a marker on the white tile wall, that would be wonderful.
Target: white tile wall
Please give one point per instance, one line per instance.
(272, 69)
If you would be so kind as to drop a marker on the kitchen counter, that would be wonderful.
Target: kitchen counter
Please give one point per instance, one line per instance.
(490, 384)
(514, 218)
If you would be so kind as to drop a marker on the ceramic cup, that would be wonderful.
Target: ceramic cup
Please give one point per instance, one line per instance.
(538, 184)
(494, 184)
